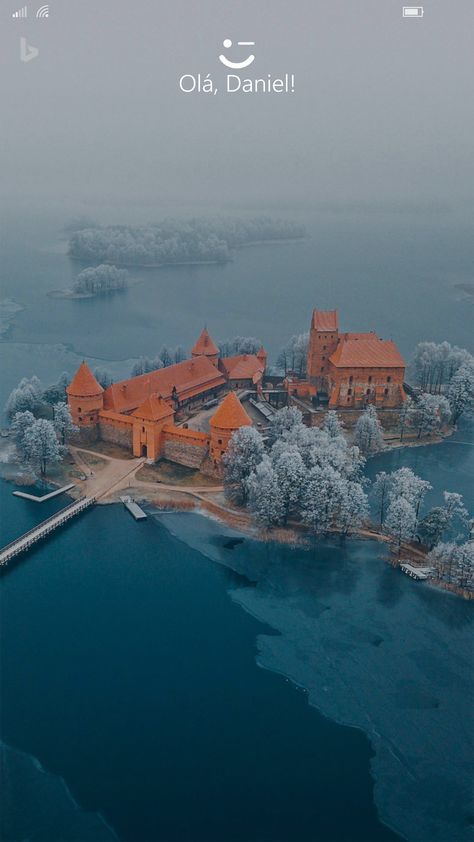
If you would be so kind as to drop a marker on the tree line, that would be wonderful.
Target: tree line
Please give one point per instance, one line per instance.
(315, 477)
(176, 241)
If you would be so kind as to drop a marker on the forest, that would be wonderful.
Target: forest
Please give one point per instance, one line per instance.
(198, 240)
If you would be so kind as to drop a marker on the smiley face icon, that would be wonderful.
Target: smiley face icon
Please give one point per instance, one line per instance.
(237, 65)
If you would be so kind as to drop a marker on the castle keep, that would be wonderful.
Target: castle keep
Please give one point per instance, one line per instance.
(350, 370)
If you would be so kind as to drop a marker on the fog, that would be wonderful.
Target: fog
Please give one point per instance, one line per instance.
(381, 114)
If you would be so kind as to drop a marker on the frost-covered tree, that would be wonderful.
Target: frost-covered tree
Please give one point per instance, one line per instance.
(63, 423)
(103, 377)
(434, 365)
(381, 491)
(440, 520)
(353, 507)
(405, 416)
(144, 365)
(368, 434)
(407, 485)
(26, 397)
(57, 391)
(321, 499)
(244, 452)
(99, 279)
(265, 498)
(283, 421)
(179, 354)
(239, 345)
(454, 563)
(289, 471)
(21, 423)
(461, 391)
(293, 356)
(430, 413)
(332, 424)
(41, 444)
(400, 521)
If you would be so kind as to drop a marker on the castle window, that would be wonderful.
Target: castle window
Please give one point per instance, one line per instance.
(324, 347)
(368, 392)
(323, 357)
(143, 429)
(351, 379)
(348, 399)
(389, 379)
(385, 391)
(349, 391)
(322, 368)
(79, 409)
(219, 441)
(370, 378)
(80, 418)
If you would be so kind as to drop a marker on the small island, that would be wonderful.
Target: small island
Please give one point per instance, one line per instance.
(96, 280)
(279, 453)
(172, 241)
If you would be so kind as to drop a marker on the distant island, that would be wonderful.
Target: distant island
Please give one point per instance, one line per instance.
(172, 241)
(96, 280)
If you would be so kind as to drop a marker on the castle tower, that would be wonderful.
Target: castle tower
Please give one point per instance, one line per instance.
(150, 418)
(85, 397)
(206, 347)
(323, 341)
(262, 356)
(228, 418)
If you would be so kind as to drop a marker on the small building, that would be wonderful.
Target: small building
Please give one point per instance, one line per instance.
(244, 371)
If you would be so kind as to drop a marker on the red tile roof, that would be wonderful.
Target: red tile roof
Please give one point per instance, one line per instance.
(153, 409)
(230, 415)
(84, 384)
(367, 352)
(191, 377)
(205, 345)
(242, 366)
(325, 320)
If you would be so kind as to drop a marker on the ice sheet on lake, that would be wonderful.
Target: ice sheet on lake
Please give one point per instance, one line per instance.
(374, 650)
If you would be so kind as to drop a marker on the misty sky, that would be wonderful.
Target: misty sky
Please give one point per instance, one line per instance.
(382, 112)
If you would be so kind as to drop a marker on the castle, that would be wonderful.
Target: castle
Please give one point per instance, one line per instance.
(145, 413)
(140, 413)
(349, 370)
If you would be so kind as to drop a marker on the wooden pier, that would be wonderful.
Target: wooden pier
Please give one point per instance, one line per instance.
(25, 541)
(133, 508)
(418, 573)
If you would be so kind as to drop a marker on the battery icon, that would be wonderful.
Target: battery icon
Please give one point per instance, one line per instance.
(413, 11)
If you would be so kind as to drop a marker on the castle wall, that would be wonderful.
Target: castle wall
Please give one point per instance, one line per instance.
(116, 430)
(184, 453)
(353, 388)
(184, 446)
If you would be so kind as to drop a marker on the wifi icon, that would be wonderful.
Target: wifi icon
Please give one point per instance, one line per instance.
(43, 12)
(21, 13)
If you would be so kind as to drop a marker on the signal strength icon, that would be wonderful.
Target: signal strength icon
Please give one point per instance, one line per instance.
(43, 12)
(21, 13)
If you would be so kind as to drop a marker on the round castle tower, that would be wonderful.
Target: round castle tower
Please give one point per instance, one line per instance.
(228, 418)
(85, 397)
(205, 347)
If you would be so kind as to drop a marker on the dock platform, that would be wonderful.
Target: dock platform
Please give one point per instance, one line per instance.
(133, 508)
(45, 497)
(418, 573)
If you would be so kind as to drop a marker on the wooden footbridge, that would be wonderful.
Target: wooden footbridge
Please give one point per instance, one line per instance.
(25, 541)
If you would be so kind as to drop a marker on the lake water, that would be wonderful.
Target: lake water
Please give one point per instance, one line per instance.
(133, 702)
